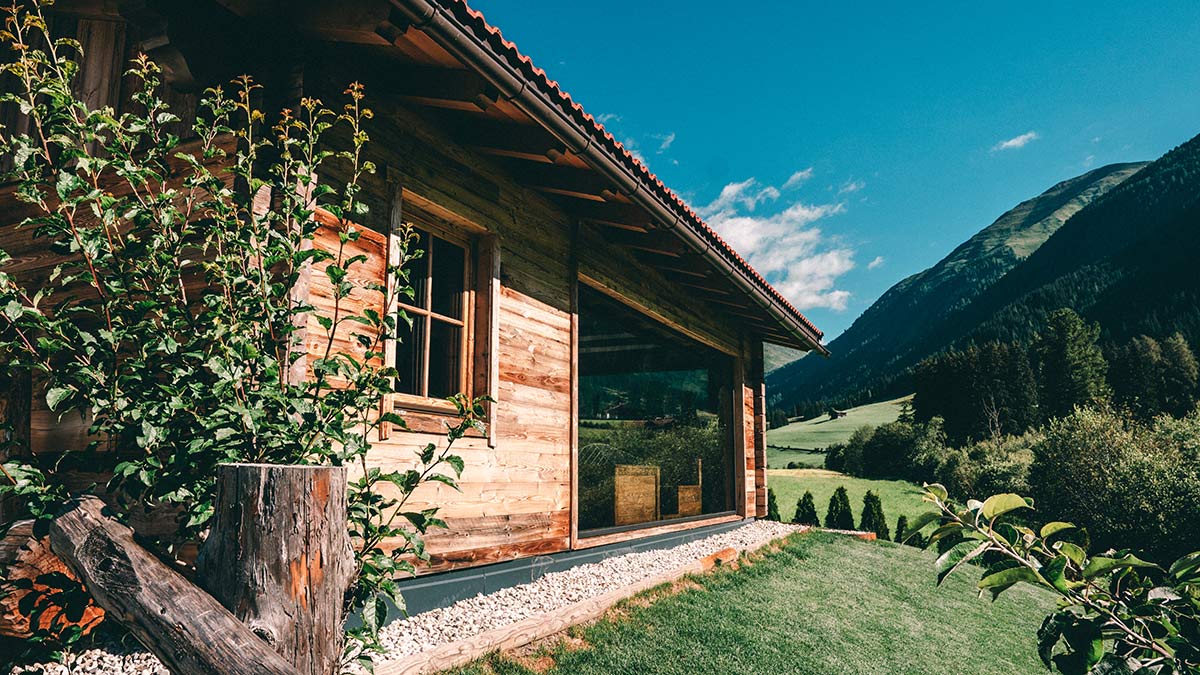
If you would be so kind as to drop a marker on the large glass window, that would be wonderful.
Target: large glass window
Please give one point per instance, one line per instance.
(655, 420)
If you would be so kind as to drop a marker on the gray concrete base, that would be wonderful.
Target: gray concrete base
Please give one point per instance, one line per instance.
(422, 594)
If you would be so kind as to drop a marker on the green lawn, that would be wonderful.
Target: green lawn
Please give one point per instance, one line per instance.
(824, 604)
(823, 432)
(898, 497)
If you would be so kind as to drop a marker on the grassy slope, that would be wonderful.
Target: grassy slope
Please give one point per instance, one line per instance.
(823, 432)
(898, 497)
(824, 604)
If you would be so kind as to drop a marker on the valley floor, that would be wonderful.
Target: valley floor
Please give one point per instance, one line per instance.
(821, 604)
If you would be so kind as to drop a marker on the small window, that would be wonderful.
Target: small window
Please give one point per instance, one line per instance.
(432, 359)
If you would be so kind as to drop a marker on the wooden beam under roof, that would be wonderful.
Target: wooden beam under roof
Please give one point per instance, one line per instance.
(612, 214)
(528, 142)
(658, 243)
(568, 182)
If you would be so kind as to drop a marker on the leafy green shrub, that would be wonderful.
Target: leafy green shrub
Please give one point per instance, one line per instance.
(839, 516)
(835, 457)
(806, 511)
(772, 506)
(1116, 612)
(872, 519)
(1127, 484)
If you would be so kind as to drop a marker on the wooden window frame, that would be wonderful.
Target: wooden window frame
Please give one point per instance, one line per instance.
(466, 324)
(479, 370)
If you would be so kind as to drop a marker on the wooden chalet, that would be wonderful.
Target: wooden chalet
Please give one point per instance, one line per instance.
(620, 336)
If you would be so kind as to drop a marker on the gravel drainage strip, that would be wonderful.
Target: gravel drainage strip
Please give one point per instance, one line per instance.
(512, 617)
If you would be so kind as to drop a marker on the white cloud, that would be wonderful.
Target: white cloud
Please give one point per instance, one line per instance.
(877, 262)
(632, 146)
(605, 118)
(851, 186)
(1016, 141)
(1089, 161)
(784, 246)
(666, 141)
(797, 179)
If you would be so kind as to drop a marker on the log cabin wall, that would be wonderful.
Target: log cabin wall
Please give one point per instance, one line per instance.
(516, 497)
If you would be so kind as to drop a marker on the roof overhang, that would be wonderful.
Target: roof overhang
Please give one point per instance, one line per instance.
(445, 57)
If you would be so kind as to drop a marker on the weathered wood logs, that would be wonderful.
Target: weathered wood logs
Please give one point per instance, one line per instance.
(187, 629)
(27, 559)
(278, 556)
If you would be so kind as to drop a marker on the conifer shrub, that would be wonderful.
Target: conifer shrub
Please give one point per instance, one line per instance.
(872, 519)
(772, 506)
(839, 516)
(901, 526)
(806, 511)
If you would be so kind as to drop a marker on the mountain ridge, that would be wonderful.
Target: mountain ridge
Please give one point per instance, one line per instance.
(894, 331)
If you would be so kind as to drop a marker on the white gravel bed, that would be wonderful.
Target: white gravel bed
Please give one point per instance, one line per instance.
(472, 616)
(112, 660)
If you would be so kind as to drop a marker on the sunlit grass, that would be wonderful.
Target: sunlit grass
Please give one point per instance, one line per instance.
(824, 604)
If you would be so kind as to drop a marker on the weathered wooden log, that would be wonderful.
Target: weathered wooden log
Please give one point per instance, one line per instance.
(187, 629)
(278, 556)
(27, 559)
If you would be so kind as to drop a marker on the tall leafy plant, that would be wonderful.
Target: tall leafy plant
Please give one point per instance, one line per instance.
(172, 324)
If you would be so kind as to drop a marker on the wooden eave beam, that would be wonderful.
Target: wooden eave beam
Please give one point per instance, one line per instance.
(504, 139)
(568, 182)
(612, 214)
(658, 243)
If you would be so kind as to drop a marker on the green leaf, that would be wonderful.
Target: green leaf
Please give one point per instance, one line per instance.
(1051, 529)
(1055, 572)
(998, 505)
(937, 490)
(919, 523)
(56, 395)
(1076, 554)
(1007, 577)
(1100, 565)
(957, 556)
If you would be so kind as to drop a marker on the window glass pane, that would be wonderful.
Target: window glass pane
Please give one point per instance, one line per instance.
(445, 359)
(418, 273)
(410, 350)
(655, 432)
(449, 263)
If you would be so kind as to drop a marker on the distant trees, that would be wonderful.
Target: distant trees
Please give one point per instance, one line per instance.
(776, 417)
(980, 391)
(806, 511)
(1149, 377)
(872, 519)
(839, 516)
(1072, 367)
(772, 506)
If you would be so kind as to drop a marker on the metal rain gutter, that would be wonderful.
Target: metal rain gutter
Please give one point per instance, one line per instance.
(460, 41)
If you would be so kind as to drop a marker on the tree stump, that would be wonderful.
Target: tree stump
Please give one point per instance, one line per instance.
(279, 557)
(188, 630)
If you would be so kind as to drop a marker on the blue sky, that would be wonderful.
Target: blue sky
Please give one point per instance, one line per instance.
(844, 146)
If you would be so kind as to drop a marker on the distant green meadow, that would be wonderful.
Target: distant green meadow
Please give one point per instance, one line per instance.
(898, 497)
(823, 432)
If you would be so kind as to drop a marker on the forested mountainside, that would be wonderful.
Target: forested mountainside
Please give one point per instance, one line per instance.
(908, 322)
